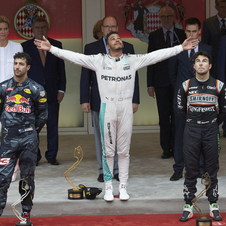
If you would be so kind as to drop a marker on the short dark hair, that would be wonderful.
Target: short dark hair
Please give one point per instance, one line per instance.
(39, 19)
(218, 1)
(109, 34)
(202, 53)
(107, 17)
(21, 55)
(193, 21)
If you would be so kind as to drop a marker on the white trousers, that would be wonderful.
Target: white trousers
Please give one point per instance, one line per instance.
(116, 122)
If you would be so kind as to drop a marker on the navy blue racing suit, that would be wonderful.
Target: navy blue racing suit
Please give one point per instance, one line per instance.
(203, 106)
(23, 110)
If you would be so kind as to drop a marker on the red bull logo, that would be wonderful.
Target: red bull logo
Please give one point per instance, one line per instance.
(17, 99)
(11, 99)
(18, 108)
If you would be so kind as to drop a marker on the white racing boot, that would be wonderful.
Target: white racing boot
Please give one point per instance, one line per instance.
(123, 195)
(109, 197)
(214, 212)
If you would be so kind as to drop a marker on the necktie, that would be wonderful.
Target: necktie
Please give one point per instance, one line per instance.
(223, 27)
(168, 40)
(42, 56)
(192, 53)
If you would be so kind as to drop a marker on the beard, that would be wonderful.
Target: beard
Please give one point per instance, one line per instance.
(117, 48)
(20, 74)
(202, 72)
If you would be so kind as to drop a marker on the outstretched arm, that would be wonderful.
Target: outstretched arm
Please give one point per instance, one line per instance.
(89, 62)
(163, 54)
(44, 45)
(189, 43)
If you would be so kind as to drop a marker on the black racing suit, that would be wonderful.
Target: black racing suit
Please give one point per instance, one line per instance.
(203, 106)
(23, 109)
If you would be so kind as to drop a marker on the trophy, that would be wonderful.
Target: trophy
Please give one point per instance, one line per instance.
(76, 192)
(26, 191)
(203, 220)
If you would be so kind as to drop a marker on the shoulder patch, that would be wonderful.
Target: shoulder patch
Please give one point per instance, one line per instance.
(42, 100)
(219, 85)
(185, 85)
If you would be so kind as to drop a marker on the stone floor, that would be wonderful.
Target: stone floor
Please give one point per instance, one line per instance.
(149, 186)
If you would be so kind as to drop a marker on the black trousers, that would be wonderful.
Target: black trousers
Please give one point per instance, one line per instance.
(197, 139)
(164, 97)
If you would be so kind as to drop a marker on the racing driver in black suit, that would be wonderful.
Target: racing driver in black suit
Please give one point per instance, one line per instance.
(201, 102)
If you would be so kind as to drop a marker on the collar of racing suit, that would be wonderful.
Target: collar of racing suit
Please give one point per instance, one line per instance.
(20, 83)
(117, 58)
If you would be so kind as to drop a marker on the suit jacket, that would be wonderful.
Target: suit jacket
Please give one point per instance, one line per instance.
(158, 74)
(222, 60)
(88, 77)
(180, 69)
(211, 35)
(52, 76)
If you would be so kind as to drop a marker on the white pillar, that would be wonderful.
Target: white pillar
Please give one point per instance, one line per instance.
(92, 11)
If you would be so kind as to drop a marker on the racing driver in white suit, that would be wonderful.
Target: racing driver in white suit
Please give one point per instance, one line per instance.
(115, 76)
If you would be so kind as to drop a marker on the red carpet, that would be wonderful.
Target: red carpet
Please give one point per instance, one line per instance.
(115, 220)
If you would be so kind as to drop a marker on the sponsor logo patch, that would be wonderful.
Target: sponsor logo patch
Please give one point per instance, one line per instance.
(115, 79)
(27, 91)
(42, 93)
(4, 161)
(107, 68)
(17, 99)
(200, 122)
(18, 108)
(43, 100)
(9, 89)
(194, 87)
(109, 132)
(210, 87)
(126, 68)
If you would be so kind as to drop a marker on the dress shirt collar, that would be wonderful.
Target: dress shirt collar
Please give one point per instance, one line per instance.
(220, 22)
(107, 51)
(196, 50)
(165, 30)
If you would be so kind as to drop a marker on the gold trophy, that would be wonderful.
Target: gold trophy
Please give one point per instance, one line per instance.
(203, 220)
(25, 188)
(76, 192)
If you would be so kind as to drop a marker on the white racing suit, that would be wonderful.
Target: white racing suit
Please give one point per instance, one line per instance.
(115, 77)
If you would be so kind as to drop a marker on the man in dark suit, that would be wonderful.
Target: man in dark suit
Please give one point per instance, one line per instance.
(158, 81)
(92, 100)
(221, 75)
(180, 69)
(48, 71)
(214, 28)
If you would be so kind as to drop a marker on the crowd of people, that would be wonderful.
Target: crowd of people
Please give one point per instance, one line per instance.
(186, 77)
